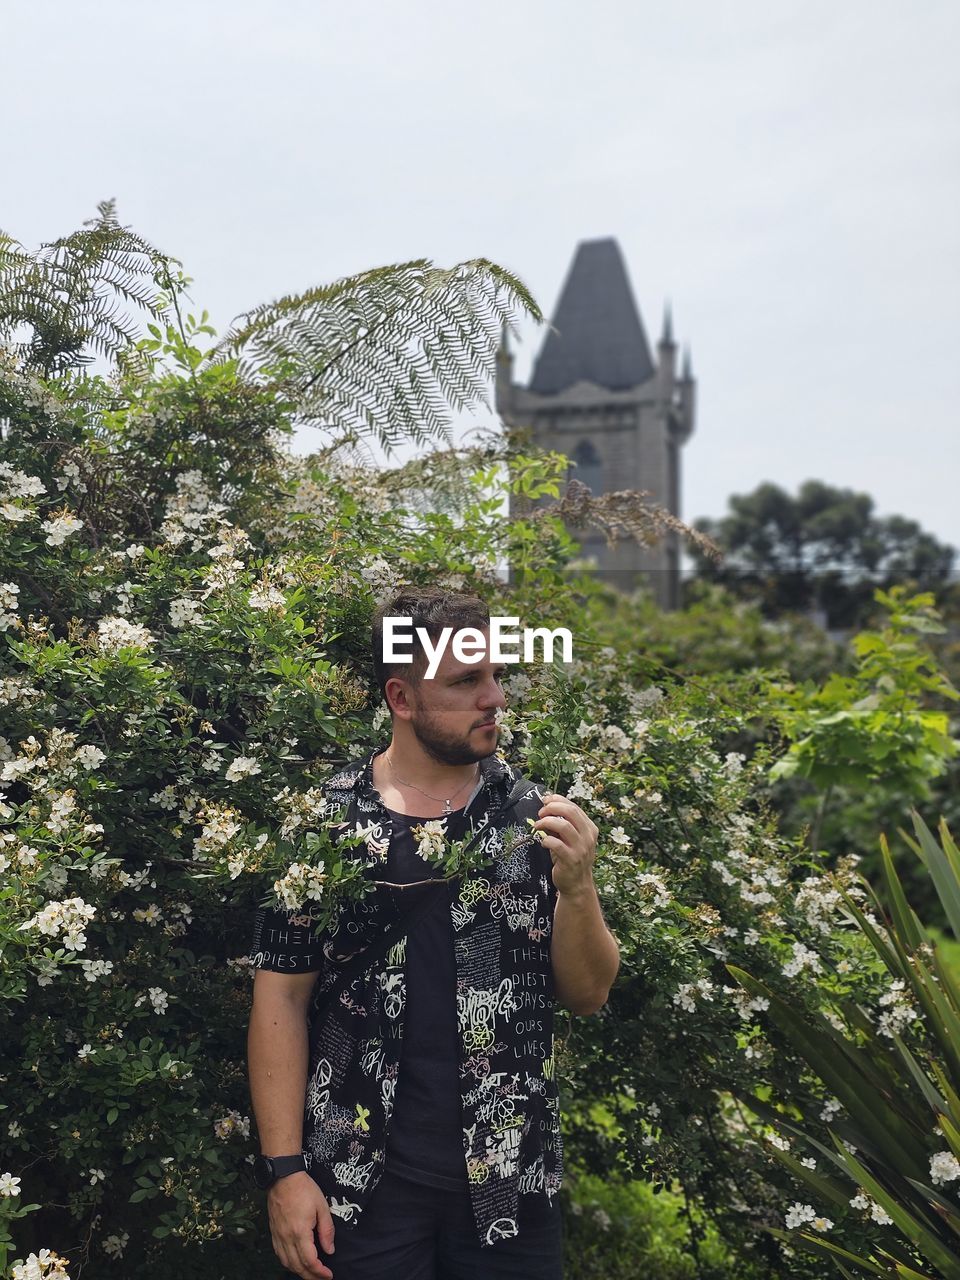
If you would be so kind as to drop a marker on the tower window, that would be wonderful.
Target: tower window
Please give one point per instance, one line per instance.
(589, 468)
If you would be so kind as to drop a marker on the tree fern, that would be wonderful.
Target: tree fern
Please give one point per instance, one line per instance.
(386, 352)
(383, 355)
(76, 297)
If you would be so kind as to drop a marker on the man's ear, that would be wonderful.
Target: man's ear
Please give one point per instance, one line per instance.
(397, 693)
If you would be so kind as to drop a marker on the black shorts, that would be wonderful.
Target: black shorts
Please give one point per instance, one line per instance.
(412, 1232)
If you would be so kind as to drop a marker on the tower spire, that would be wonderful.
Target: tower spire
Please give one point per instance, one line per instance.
(666, 337)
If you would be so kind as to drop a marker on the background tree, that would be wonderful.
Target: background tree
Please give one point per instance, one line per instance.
(823, 548)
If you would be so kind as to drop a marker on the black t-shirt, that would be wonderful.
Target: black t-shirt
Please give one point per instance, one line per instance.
(425, 1139)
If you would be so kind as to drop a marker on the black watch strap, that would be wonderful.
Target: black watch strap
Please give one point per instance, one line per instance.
(268, 1169)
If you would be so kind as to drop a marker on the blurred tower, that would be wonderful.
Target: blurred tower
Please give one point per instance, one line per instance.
(597, 396)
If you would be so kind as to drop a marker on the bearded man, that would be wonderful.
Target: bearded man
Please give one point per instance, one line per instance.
(401, 1063)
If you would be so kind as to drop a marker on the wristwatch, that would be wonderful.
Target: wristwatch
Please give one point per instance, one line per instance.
(268, 1169)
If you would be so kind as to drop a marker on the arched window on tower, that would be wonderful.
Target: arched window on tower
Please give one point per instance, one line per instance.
(589, 468)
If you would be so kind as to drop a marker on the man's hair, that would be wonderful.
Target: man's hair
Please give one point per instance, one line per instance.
(430, 608)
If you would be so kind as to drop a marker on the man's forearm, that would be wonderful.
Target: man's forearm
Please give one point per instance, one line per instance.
(583, 952)
(277, 1050)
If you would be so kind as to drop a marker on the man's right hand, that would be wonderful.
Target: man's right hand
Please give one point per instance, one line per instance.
(297, 1207)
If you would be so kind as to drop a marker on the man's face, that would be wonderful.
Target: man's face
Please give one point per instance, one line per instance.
(453, 715)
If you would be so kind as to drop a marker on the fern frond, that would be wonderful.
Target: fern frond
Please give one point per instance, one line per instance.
(78, 295)
(389, 351)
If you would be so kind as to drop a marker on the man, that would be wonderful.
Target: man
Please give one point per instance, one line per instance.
(415, 1101)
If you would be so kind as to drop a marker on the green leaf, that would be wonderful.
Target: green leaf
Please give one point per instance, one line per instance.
(919, 1233)
(827, 1249)
(847, 1073)
(825, 1188)
(904, 918)
(934, 1099)
(951, 1134)
(943, 869)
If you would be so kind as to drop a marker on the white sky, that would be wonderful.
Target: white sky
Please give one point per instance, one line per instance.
(788, 173)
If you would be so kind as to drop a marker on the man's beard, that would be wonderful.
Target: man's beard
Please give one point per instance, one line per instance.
(443, 747)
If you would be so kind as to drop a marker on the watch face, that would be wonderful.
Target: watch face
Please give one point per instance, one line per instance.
(263, 1174)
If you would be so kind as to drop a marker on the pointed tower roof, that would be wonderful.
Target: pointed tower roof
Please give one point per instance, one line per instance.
(666, 337)
(599, 334)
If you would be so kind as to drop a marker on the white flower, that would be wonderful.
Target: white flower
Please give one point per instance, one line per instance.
(59, 528)
(300, 883)
(264, 597)
(431, 838)
(17, 768)
(8, 604)
(10, 511)
(232, 1122)
(85, 1051)
(818, 901)
(830, 1109)
(96, 1175)
(898, 1012)
(45, 1265)
(166, 799)
(612, 736)
(9, 1185)
(649, 883)
(134, 551)
(69, 474)
(61, 809)
(944, 1167)
(879, 1214)
(619, 836)
(115, 633)
(114, 1246)
(184, 612)
(242, 767)
(220, 827)
(157, 997)
(14, 1129)
(821, 1224)
(808, 1162)
(798, 1214)
(89, 757)
(63, 918)
(803, 958)
(579, 789)
(686, 994)
(94, 969)
(17, 484)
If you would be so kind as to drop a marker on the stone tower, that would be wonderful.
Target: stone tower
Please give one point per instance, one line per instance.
(597, 395)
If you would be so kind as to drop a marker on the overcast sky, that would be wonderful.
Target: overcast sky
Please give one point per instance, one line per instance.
(787, 173)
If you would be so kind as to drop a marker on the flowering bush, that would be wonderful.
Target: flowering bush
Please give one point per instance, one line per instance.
(893, 1135)
(183, 659)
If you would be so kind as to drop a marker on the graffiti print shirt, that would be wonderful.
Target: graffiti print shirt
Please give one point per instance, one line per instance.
(502, 917)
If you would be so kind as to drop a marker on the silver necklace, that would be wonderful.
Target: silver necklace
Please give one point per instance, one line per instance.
(436, 799)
